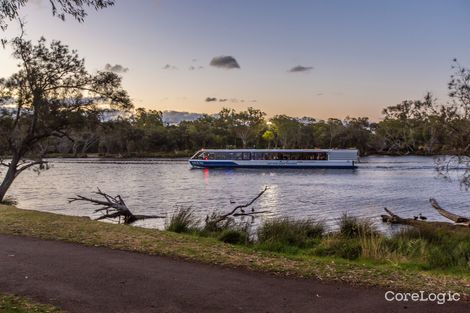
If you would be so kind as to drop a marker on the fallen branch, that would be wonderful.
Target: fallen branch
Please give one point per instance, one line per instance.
(392, 218)
(457, 219)
(112, 208)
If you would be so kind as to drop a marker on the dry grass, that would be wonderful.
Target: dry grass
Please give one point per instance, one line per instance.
(81, 230)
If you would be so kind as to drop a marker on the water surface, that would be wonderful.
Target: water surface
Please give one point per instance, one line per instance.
(157, 186)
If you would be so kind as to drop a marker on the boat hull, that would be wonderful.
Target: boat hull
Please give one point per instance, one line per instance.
(271, 164)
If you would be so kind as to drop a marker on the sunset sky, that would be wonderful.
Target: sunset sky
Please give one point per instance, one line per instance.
(316, 58)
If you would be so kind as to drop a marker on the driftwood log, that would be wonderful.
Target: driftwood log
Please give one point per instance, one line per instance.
(113, 208)
(215, 221)
(458, 221)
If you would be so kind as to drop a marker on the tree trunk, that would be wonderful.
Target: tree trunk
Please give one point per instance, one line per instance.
(9, 177)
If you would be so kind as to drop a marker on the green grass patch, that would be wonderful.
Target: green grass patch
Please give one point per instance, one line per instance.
(398, 263)
(15, 304)
(286, 235)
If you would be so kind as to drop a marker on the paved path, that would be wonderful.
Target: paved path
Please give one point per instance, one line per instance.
(87, 279)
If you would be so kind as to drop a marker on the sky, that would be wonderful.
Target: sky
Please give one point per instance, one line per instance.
(301, 58)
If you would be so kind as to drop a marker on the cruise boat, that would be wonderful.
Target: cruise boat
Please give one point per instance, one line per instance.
(272, 158)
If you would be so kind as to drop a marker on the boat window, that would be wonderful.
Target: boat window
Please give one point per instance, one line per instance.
(201, 155)
(220, 156)
(297, 156)
(259, 155)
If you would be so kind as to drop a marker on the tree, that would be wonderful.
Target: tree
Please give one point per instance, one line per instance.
(148, 119)
(247, 124)
(269, 136)
(9, 9)
(287, 129)
(47, 98)
(405, 125)
(455, 121)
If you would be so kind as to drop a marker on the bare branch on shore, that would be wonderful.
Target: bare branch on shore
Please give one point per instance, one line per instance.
(112, 208)
(213, 221)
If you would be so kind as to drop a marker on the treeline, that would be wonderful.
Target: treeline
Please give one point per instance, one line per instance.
(412, 127)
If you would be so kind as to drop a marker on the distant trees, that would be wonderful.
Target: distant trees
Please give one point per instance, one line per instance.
(411, 127)
(50, 96)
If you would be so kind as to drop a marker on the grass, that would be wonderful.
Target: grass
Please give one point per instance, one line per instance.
(286, 235)
(327, 257)
(182, 221)
(353, 227)
(15, 304)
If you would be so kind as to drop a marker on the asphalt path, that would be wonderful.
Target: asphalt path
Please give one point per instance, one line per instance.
(78, 278)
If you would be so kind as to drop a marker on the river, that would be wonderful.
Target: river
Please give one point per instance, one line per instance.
(160, 186)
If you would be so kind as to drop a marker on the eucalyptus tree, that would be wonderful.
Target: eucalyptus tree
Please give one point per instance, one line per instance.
(287, 130)
(46, 98)
(456, 122)
(248, 124)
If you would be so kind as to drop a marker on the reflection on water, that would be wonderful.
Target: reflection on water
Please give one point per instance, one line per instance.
(152, 186)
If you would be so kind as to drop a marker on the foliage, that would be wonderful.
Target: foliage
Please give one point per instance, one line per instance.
(9, 9)
(281, 234)
(238, 235)
(51, 96)
(353, 227)
(182, 221)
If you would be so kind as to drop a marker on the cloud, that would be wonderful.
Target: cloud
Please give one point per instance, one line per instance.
(300, 68)
(209, 99)
(117, 68)
(193, 68)
(169, 67)
(226, 62)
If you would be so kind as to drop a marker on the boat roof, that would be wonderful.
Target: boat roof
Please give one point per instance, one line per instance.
(280, 150)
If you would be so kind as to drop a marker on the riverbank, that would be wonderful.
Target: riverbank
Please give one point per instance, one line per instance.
(209, 250)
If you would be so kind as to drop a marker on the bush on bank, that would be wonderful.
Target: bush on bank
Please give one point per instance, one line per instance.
(355, 239)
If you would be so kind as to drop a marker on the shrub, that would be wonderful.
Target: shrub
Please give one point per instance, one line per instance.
(353, 227)
(282, 234)
(344, 248)
(234, 236)
(182, 221)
